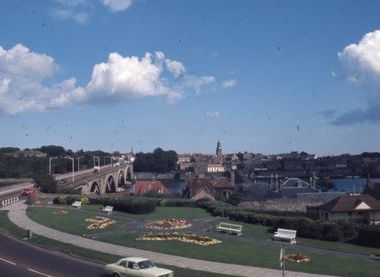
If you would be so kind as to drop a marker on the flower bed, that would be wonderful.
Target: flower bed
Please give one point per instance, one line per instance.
(99, 222)
(185, 237)
(59, 212)
(168, 224)
(296, 258)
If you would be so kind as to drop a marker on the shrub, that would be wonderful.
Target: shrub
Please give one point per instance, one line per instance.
(72, 198)
(84, 200)
(61, 200)
(177, 203)
(369, 235)
(135, 205)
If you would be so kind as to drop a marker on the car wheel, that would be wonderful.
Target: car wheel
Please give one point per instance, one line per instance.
(115, 275)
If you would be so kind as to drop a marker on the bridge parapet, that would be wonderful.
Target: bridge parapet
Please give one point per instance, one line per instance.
(106, 180)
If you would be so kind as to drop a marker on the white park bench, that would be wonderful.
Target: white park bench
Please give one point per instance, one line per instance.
(107, 209)
(286, 235)
(76, 204)
(230, 228)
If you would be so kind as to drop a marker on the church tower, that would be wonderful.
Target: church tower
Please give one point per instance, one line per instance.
(219, 155)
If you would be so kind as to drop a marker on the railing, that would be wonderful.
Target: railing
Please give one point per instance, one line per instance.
(9, 201)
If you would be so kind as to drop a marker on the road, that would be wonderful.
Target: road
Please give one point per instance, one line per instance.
(78, 173)
(21, 259)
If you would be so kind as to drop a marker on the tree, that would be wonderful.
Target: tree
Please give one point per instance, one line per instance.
(53, 150)
(235, 198)
(46, 183)
(159, 161)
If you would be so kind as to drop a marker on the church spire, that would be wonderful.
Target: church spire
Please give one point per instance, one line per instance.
(219, 155)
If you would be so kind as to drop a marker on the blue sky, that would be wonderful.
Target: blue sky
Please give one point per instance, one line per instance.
(263, 76)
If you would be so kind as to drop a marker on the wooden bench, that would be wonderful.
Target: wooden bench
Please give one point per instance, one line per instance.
(230, 228)
(76, 204)
(107, 209)
(285, 235)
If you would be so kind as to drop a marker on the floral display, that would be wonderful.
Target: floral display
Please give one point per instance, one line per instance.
(296, 258)
(59, 212)
(99, 222)
(185, 237)
(168, 224)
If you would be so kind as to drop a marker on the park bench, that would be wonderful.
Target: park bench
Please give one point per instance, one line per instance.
(285, 235)
(230, 228)
(107, 209)
(76, 204)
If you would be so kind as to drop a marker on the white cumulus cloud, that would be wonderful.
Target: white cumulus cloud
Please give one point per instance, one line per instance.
(362, 60)
(134, 77)
(23, 74)
(117, 5)
(175, 67)
(228, 83)
(129, 77)
(21, 62)
(197, 83)
(212, 114)
(69, 14)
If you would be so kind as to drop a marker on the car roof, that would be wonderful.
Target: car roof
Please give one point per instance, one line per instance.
(134, 259)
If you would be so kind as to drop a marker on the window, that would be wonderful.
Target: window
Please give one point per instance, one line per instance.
(123, 263)
(131, 265)
(146, 264)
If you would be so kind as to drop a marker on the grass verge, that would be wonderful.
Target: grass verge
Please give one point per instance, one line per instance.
(10, 228)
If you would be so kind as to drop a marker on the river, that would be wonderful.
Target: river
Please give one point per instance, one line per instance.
(355, 185)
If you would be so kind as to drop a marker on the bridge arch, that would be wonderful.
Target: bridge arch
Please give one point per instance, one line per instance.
(110, 184)
(121, 179)
(128, 175)
(95, 188)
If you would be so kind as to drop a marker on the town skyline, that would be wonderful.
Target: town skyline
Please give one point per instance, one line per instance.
(113, 75)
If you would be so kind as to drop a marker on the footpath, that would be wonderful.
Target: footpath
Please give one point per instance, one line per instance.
(17, 214)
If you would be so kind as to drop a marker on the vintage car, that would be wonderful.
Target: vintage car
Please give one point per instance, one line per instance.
(134, 266)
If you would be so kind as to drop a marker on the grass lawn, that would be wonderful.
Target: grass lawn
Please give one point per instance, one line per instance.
(73, 222)
(244, 253)
(104, 258)
(261, 232)
(229, 251)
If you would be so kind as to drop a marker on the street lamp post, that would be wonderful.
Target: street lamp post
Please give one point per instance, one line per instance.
(111, 158)
(96, 158)
(78, 162)
(72, 163)
(50, 159)
(282, 259)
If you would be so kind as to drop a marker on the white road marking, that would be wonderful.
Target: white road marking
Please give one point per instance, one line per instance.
(40, 273)
(9, 262)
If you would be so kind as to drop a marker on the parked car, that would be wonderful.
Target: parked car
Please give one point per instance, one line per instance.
(134, 266)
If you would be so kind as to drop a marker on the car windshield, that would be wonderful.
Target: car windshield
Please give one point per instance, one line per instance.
(146, 264)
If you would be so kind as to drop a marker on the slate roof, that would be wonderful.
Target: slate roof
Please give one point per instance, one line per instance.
(348, 203)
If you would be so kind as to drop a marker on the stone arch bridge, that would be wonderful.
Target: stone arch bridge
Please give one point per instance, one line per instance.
(106, 180)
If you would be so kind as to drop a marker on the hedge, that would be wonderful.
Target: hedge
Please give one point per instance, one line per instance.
(68, 199)
(134, 205)
(369, 235)
(168, 202)
(306, 227)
